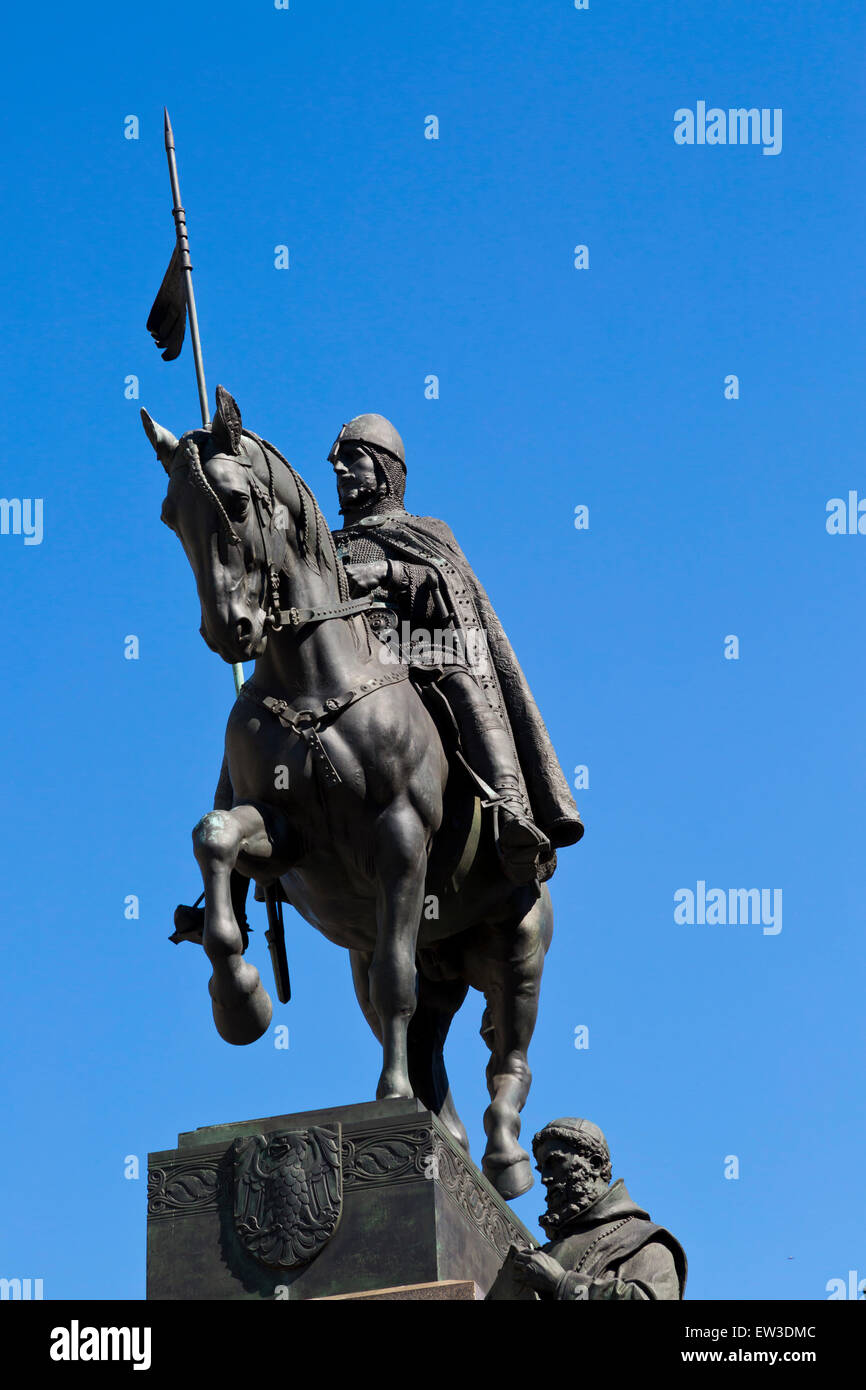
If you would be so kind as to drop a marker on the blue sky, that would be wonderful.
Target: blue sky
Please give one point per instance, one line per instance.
(558, 387)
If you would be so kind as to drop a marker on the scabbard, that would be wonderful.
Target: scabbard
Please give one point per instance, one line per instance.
(276, 939)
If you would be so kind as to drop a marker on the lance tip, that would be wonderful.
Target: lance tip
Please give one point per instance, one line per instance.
(169, 134)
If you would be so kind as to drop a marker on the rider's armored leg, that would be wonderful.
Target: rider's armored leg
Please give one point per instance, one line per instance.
(489, 751)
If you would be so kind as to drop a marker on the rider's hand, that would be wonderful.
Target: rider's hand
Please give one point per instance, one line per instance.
(363, 578)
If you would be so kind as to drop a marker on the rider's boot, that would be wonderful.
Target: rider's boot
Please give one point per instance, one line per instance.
(519, 842)
(491, 755)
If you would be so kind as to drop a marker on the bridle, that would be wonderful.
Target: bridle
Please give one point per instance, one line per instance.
(304, 722)
(275, 547)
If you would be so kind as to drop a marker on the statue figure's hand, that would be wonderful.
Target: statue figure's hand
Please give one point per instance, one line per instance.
(539, 1271)
(363, 578)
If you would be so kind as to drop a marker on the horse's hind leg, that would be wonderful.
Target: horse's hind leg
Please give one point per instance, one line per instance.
(506, 961)
(438, 1002)
(241, 1005)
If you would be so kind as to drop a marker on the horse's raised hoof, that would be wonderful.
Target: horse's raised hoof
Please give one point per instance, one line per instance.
(245, 1017)
(512, 1180)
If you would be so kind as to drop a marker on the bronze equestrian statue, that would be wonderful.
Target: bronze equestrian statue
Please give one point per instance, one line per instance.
(400, 793)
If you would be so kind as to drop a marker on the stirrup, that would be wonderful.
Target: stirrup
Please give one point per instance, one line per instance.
(189, 925)
(519, 843)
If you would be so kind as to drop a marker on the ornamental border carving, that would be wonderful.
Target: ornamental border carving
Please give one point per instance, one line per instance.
(185, 1188)
(386, 1155)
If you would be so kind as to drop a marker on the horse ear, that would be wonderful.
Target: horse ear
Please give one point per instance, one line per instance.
(163, 440)
(227, 427)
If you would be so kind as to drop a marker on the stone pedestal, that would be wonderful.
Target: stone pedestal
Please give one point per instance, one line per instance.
(466, 1291)
(368, 1200)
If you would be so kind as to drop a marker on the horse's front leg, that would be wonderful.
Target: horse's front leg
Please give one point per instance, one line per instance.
(241, 1005)
(401, 863)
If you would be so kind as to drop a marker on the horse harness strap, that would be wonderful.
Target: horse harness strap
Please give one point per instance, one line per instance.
(306, 722)
(299, 617)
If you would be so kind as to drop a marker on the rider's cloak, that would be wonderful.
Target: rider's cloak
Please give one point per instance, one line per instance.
(442, 581)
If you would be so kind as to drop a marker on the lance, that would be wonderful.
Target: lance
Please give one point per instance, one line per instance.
(176, 300)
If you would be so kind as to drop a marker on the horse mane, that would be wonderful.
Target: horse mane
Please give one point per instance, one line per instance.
(315, 541)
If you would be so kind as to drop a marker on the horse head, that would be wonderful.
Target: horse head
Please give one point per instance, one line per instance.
(243, 516)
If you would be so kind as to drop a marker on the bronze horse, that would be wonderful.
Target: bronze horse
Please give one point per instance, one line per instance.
(338, 777)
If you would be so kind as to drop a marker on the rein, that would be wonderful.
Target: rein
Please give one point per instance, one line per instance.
(264, 501)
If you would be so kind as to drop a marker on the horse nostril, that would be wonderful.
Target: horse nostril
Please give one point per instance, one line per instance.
(244, 629)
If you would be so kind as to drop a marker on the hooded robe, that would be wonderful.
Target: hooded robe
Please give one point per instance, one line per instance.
(610, 1251)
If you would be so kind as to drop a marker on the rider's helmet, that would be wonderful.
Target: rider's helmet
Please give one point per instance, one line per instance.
(384, 445)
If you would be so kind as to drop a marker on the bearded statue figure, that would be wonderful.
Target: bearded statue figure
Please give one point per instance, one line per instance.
(433, 614)
(601, 1244)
